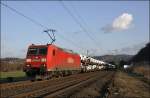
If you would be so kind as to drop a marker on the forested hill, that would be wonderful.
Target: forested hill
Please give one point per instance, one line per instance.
(143, 55)
(114, 58)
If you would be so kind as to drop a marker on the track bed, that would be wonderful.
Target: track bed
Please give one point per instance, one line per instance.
(70, 86)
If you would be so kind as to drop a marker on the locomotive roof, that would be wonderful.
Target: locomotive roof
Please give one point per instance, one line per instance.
(63, 49)
(67, 50)
(33, 45)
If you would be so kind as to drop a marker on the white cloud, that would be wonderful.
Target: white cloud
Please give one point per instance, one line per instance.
(122, 22)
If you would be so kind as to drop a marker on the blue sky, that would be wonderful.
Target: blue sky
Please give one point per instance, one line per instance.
(17, 33)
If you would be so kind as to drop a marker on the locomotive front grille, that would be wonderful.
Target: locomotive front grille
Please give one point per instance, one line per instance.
(36, 60)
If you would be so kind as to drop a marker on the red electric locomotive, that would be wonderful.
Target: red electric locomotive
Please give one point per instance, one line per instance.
(49, 60)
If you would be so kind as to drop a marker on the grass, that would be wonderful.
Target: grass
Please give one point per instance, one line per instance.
(130, 87)
(15, 74)
(143, 70)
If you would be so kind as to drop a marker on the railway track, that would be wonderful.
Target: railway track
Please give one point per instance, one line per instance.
(4, 85)
(50, 88)
(23, 87)
(71, 91)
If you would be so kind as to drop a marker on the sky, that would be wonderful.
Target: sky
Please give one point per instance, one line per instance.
(101, 27)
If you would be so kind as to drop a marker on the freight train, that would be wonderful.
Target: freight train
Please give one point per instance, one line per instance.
(50, 60)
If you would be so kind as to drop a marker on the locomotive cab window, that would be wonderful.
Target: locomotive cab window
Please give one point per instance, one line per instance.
(53, 52)
(42, 51)
(37, 51)
(32, 51)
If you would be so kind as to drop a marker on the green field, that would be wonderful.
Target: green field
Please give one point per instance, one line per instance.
(12, 74)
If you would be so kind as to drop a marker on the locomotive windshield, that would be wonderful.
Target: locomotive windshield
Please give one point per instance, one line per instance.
(37, 51)
(32, 51)
(42, 51)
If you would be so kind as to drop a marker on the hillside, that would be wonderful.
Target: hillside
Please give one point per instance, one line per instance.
(114, 58)
(11, 64)
(141, 62)
(143, 56)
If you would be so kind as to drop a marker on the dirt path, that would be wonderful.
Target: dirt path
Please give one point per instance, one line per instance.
(125, 86)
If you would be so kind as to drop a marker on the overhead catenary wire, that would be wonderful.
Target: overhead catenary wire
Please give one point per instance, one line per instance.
(39, 24)
(30, 19)
(82, 20)
(78, 22)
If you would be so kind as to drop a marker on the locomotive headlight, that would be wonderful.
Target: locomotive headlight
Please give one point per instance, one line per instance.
(28, 65)
(28, 60)
(43, 60)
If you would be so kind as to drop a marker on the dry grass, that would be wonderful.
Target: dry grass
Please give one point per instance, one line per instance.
(129, 87)
(8, 65)
(144, 70)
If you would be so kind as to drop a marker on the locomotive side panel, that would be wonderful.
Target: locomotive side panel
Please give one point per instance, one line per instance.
(50, 57)
(59, 59)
